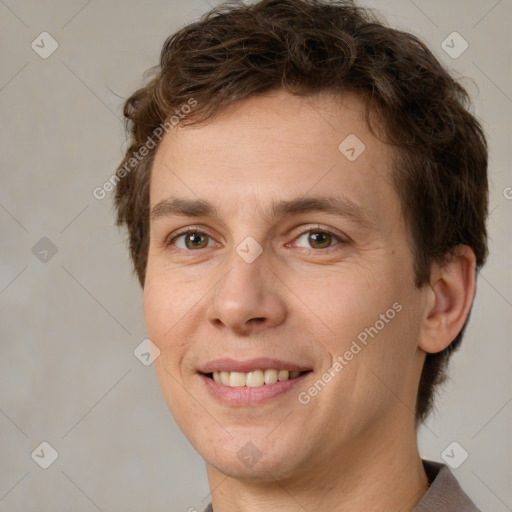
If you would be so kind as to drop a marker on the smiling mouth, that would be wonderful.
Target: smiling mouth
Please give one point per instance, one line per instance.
(254, 378)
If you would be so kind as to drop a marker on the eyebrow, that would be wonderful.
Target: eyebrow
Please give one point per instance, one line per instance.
(340, 206)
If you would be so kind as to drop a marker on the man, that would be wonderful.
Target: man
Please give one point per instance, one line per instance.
(305, 194)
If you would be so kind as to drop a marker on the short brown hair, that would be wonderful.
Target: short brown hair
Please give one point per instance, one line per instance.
(237, 51)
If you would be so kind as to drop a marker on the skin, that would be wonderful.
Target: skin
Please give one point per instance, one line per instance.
(353, 446)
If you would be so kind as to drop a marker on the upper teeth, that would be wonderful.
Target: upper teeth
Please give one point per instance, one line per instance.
(254, 378)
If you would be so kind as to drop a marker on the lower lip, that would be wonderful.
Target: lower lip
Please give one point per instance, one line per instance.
(244, 396)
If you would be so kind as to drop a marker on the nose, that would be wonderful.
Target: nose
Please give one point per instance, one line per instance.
(248, 299)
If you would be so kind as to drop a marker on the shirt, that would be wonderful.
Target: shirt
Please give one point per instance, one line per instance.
(444, 494)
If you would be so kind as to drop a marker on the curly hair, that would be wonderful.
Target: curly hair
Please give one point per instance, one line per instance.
(236, 51)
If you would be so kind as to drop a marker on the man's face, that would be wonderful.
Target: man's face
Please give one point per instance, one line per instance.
(270, 280)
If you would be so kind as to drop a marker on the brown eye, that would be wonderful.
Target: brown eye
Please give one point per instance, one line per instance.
(191, 240)
(318, 239)
(195, 241)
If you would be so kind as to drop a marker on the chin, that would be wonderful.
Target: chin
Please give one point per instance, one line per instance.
(262, 471)
(258, 461)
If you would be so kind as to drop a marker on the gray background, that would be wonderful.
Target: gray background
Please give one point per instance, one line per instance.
(69, 325)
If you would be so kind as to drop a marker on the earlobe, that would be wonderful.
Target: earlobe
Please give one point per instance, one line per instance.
(450, 296)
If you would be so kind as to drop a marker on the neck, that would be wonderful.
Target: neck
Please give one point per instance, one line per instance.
(379, 471)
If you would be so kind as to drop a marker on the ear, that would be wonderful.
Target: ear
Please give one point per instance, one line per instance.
(449, 298)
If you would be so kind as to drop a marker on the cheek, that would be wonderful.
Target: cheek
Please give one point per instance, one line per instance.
(386, 363)
(369, 314)
(161, 317)
(344, 302)
(165, 301)
(163, 309)
(153, 305)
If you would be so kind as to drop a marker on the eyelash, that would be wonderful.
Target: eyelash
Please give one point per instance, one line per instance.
(311, 229)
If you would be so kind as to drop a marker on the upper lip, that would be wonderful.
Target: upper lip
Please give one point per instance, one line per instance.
(262, 363)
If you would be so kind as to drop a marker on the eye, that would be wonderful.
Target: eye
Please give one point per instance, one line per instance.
(318, 239)
(191, 239)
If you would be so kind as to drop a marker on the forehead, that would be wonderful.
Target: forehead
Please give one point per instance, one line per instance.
(277, 146)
